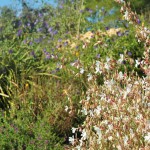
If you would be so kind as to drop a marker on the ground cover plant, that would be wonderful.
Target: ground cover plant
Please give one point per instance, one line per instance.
(70, 68)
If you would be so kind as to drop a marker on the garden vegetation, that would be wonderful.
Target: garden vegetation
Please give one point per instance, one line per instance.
(75, 77)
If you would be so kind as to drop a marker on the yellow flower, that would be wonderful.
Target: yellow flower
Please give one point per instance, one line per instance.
(65, 92)
(77, 54)
(26, 86)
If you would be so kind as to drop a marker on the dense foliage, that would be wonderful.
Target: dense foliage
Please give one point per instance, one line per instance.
(58, 63)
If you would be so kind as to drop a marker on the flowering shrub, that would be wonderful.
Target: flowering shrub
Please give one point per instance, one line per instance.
(53, 58)
(117, 110)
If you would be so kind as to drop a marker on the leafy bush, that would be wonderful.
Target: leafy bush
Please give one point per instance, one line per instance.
(56, 61)
(22, 133)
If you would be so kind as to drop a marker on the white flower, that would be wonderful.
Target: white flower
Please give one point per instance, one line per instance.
(103, 96)
(110, 127)
(109, 84)
(66, 108)
(81, 70)
(59, 65)
(110, 138)
(88, 98)
(97, 63)
(121, 58)
(98, 132)
(147, 137)
(97, 68)
(126, 15)
(91, 113)
(128, 90)
(107, 66)
(78, 147)
(139, 40)
(120, 75)
(125, 139)
(72, 140)
(136, 63)
(121, 1)
(72, 64)
(131, 133)
(139, 117)
(74, 129)
(90, 76)
(81, 142)
(117, 134)
(84, 135)
(107, 59)
(105, 122)
(84, 111)
(119, 147)
(97, 110)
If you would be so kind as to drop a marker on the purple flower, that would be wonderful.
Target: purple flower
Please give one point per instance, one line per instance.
(77, 47)
(98, 56)
(28, 24)
(61, 6)
(45, 24)
(30, 43)
(10, 51)
(19, 33)
(47, 55)
(55, 32)
(19, 23)
(126, 25)
(107, 28)
(138, 21)
(32, 25)
(129, 53)
(40, 39)
(36, 40)
(90, 11)
(81, 11)
(25, 41)
(59, 40)
(123, 62)
(50, 29)
(39, 29)
(119, 33)
(33, 54)
(66, 43)
(40, 15)
(44, 50)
